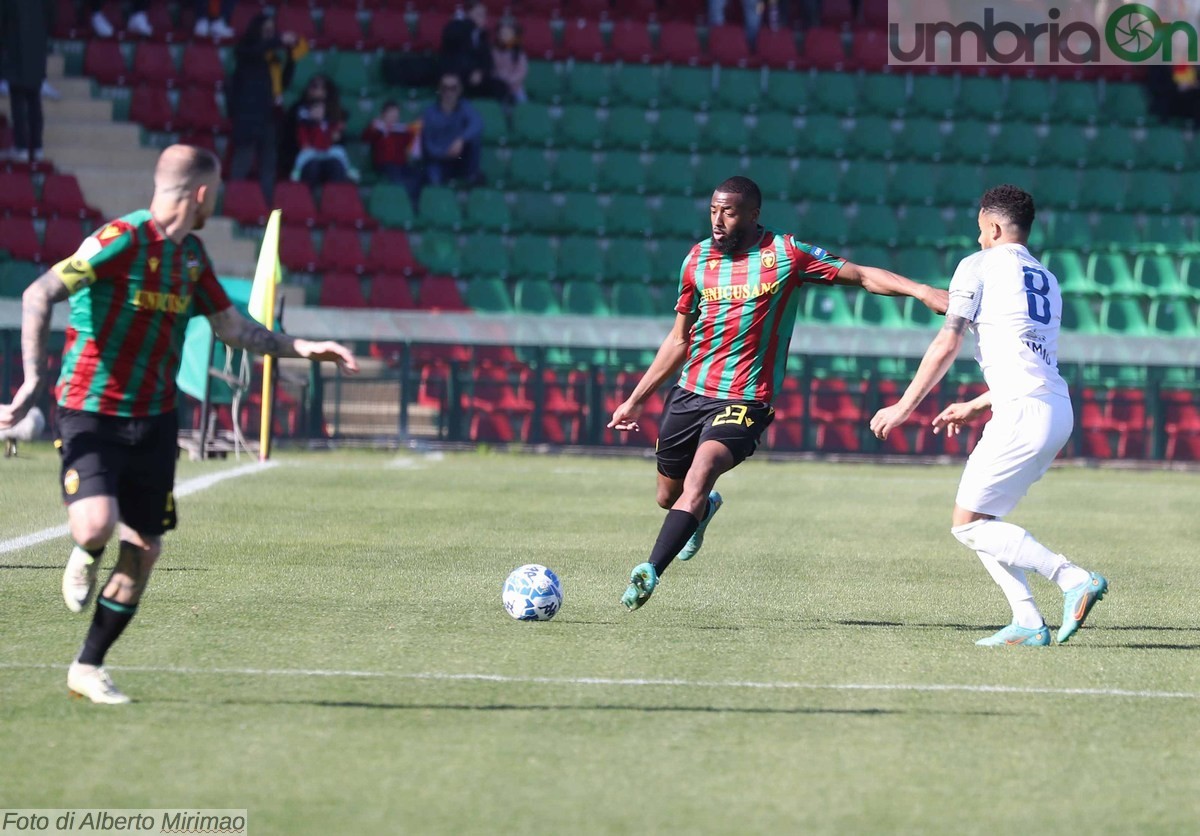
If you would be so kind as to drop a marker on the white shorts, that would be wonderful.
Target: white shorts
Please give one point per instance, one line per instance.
(1017, 447)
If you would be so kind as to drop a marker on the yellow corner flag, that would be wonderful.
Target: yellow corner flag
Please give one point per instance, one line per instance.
(267, 276)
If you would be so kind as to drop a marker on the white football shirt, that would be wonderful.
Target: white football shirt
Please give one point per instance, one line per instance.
(1015, 309)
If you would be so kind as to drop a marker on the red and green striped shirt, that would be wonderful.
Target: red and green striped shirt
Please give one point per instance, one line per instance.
(133, 291)
(747, 304)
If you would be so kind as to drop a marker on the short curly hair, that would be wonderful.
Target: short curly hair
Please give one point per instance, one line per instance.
(745, 187)
(1012, 203)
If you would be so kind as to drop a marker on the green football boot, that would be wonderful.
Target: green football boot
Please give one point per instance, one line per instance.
(1078, 602)
(1013, 636)
(642, 581)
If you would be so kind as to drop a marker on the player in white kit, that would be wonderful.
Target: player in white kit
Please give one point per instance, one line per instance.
(1013, 305)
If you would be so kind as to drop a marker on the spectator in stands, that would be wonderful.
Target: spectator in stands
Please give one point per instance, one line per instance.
(24, 39)
(1174, 92)
(265, 63)
(212, 18)
(320, 88)
(451, 136)
(467, 52)
(509, 62)
(322, 159)
(139, 23)
(391, 141)
(716, 16)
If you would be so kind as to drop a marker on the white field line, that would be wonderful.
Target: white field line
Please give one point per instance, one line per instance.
(640, 683)
(185, 488)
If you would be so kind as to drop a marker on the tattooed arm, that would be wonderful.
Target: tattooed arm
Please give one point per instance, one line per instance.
(237, 331)
(37, 304)
(934, 365)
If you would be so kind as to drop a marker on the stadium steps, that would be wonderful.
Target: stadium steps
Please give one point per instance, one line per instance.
(113, 170)
(370, 406)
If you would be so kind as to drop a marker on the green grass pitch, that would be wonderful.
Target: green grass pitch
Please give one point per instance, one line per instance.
(323, 644)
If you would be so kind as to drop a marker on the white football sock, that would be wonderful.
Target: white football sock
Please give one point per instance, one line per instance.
(1015, 587)
(1014, 546)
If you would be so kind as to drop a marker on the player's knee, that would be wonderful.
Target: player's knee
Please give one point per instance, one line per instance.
(92, 534)
(965, 534)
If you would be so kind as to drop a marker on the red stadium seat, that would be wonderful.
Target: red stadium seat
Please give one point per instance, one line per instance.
(870, 51)
(541, 8)
(823, 49)
(18, 236)
(836, 410)
(635, 11)
(583, 41)
(341, 28)
(632, 43)
(198, 111)
(593, 10)
(341, 290)
(298, 19)
(1181, 423)
(342, 206)
(104, 61)
(836, 13)
(341, 252)
(690, 11)
(875, 14)
(392, 292)
(538, 38)
(296, 201)
(150, 107)
(390, 254)
(429, 30)
(493, 389)
(498, 428)
(440, 293)
(63, 237)
(296, 249)
(17, 195)
(679, 43)
(727, 46)
(777, 48)
(388, 29)
(61, 195)
(244, 202)
(1127, 415)
(152, 64)
(202, 65)
(66, 21)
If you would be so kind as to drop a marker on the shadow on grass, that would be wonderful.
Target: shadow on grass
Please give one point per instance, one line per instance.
(59, 567)
(976, 628)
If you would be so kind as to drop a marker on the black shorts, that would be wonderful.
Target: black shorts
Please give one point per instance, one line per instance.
(690, 419)
(132, 459)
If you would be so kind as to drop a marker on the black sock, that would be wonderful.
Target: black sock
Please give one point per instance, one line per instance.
(676, 530)
(108, 622)
(95, 553)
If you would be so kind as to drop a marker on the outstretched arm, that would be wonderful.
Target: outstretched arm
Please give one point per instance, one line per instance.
(666, 365)
(238, 331)
(934, 365)
(886, 283)
(36, 305)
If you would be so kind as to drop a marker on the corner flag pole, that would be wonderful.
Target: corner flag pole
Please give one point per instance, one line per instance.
(262, 308)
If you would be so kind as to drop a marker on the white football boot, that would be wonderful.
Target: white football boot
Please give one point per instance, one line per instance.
(79, 579)
(93, 683)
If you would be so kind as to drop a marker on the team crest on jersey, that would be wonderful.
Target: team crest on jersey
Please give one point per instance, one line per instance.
(153, 261)
(193, 267)
(768, 259)
(71, 482)
(713, 262)
(109, 232)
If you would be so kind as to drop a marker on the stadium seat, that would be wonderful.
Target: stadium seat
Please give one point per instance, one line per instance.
(340, 28)
(1115, 231)
(199, 112)
(1076, 101)
(532, 257)
(1079, 315)
(773, 176)
(295, 200)
(390, 254)
(921, 139)
(489, 295)
(438, 209)
(912, 184)
(933, 96)
(544, 82)
(104, 61)
(879, 311)
(738, 90)
(828, 305)
(1171, 316)
(581, 214)
(62, 196)
(389, 204)
(835, 93)
(865, 182)
(786, 92)
(817, 179)
(628, 260)
(1151, 191)
(1158, 276)
(15, 276)
(1114, 147)
(579, 126)
(243, 201)
(679, 43)
(1167, 147)
(728, 47)
(689, 87)
(201, 65)
(341, 252)
(588, 83)
(341, 290)
(17, 195)
(632, 299)
(583, 41)
(1122, 315)
(534, 296)
(1068, 267)
(631, 41)
(528, 168)
(150, 107)
(883, 94)
(580, 257)
(1066, 145)
(1167, 234)
(62, 238)
(670, 174)
(637, 86)
(923, 226)
(622, 172)
(392, 293)
(538, 38)
(584, 298)
(680, 216)
(1029, 100)
(822, 136)
(876, 224)
(439, 253)
(488, 211)
(152, 64)
(1060, 186)
(486, 256)
(628, 128)
(628, 216)
(775, 134)
(532, 125)
(823, 49)
(440, 293)
(1110, 274)
(869, 50)
(1103, 189)
(835, 407)
(969, 142)
(296, 250)
(495, 123)
(727, 132)
(777, 48)
(1015, 143)
(981, 98)
(298, 20)
(871, 137)
(677, 129)
(1124, 103)
(959, 185)
(342, 206)
(576, 170)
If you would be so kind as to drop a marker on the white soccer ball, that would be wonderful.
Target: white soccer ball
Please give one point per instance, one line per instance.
(532, 593)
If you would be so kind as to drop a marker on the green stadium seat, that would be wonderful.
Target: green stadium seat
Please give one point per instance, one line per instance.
(488, 295)
(1123, 315)
(584, 298)
(872, 137)
(532, 296)
(917, 315)
(780, 215)
(1016, 143)
(15, 276)
(1068, 267)
(912, 184)
(921, 139)
(884, 94)
(879, 311)
(787, 92)
(868, 254)
(817, 179)
(875, 224)
(689, 87)
(776, 133)
(865, 182)
(834, 92)
(628, 128)
(1124, 103)
(622, 172)
(532, 257)
(712, 170)
(727, 132)
(636, 85)
(440, 253)
(1077, 101)
(1079, 315)
(579, 126)
(1158, 276)
(1069, 230)
(1103, 189)
(537, 212)
(495, 124)
(581, 257)
(825, 225)
(582, 214)
(1167, 234)
(355, 73)
(528, 168)
(668, 258)
(921, 264)
(629, 216)
(773, 176)
(390, 205)
(738, 89)
(828, 305)
(1029, 100)
(1014, 174)
(970, 142)
(495, 163)
(1114, 147)
(1151, 191)
(532, 125)
(1110, 274)
(487, 211)
(959, 185)
(1172, 317)
(681, 217)
(677, 130)
(1189, 273)
(1115, 231)
(588, 83)
(1066, 145)
(628, 260)
(634, 299)
(669, 174)
(981, 98)
(576, 171)
(933, 95)
(544, 82)
(438, 209)
(923, 226)
(1058, 187)
(822, 135)
(1166, 146)
(485, 256)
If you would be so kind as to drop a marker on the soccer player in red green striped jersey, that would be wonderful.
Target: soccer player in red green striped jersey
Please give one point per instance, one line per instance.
(738, 294)
(133, 286)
